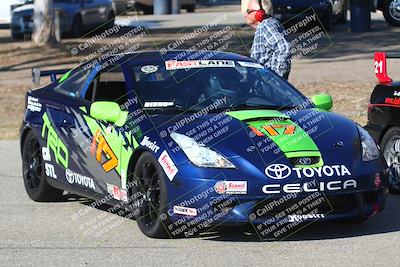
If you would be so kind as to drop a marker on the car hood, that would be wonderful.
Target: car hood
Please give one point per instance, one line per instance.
(263, 137)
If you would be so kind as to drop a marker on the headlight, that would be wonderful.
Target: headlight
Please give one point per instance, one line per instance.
(369, 149)
(199, 154)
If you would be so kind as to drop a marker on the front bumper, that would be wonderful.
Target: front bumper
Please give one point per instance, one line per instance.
(212, 208)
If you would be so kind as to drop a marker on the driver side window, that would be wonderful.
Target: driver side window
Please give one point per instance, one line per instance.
(108, 85)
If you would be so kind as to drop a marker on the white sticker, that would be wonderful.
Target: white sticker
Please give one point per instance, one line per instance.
(250, 64)
(149, 69)
(79, 179)
(117, 193)
(192, 64)
(185, 211)
(146, 142)
(46, 154)
(303, 217)
(50, 171)
(158, 104)
(168, 165)
(231, 187)
(33, 104)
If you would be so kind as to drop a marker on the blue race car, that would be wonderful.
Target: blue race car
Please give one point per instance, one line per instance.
(186, 139)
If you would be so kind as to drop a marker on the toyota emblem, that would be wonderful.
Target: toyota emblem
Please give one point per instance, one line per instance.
(305, 161)
(278, 171)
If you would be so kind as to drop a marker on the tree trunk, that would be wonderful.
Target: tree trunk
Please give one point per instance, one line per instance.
(43, 23)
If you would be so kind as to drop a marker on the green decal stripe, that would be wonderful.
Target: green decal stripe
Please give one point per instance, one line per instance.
(294, 144)
(65, 76)
(256, 114)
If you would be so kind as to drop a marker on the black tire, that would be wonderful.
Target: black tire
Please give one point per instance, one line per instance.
(152, 203)
(77, 25)
(392, 16)
(17, 36)
(391, 153)
(327, 21)
(33, 172)
(343, 16)
(190, 8)
(110, 21)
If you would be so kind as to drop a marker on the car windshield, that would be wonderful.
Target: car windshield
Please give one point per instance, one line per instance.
(219, 84)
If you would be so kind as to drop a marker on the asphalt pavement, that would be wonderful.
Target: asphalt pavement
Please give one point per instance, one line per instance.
(48, 234)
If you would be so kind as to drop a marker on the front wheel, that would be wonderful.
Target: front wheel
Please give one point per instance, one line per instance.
(33, 172)
(391, 151)
(391, 12)
(150, 193)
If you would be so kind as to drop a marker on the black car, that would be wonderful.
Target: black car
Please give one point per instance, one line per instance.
(328, 11)
(384, 117)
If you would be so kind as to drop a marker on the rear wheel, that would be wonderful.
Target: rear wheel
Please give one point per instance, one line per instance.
(391, 12)
(33, 172)
(191, 8)
(76, 29)
(16, 36)
(343, 15)
(151, 195)
(391, 151)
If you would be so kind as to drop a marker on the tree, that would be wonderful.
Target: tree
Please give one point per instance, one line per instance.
(43, 23)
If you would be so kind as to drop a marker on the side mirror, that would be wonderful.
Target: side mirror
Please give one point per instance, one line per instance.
(323, 101)
(108, 111)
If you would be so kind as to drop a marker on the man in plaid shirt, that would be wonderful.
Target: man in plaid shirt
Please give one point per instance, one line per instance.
(270, 47)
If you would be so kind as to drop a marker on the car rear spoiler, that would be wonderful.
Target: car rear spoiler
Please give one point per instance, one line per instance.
(380, 65)
(37, 73)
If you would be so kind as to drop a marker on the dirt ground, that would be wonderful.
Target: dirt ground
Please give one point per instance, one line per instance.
(343, 68)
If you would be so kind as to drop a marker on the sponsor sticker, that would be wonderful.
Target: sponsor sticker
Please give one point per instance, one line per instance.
(193, 64)
(158, 104)
(117, 193)
(392, 100)
(149, 69)
(185, 211)
(396, 93)
(76, 178)
(231, 187)
(150, 144)
(33, 104)
(168, 165)
(302, 217)
(50, 171)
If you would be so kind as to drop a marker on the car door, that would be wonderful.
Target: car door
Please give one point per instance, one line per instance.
(60, 125)
(105, 147)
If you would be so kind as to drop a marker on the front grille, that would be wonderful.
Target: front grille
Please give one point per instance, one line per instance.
(300, 160)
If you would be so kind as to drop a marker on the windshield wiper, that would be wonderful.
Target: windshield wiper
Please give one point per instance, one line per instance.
(256, 106)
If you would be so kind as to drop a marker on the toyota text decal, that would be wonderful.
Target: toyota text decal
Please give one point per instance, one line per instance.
(282, 171)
